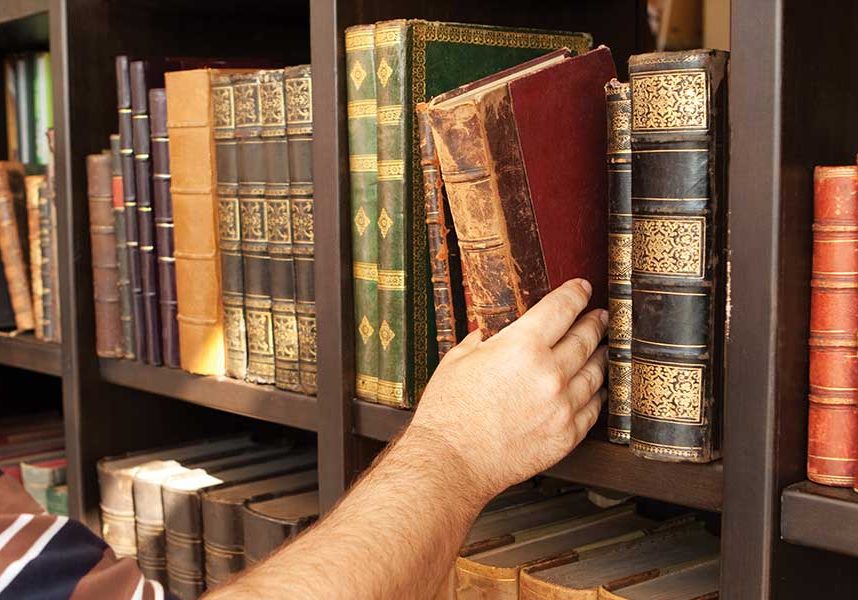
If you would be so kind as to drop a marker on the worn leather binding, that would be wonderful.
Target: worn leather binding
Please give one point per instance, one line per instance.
(50, 274)
(269, 522)
(162, 203)
(229, 226)
(129, 193)
(619, 157)
(679, 253)
(514, 204)
(252, 173)
(140, 132)
(121, 249)
(105, 270)
(363, 180)
(223, 531)
(33, 183)
(299, 131)
(14, 250)
(279, 220)
(832, 444)
(450, 312)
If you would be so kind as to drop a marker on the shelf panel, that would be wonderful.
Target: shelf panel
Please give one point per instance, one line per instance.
(13, 10)
(819, 516)
(221, 393)
(594, 462)
(26, 352)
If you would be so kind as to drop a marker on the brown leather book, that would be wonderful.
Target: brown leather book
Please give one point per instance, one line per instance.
(270, 523)
(33, 183)
(48, 232)
(105, 269)
(13, 242)
(223, 530)
(195, 219)
(832, 445)
(695, 581)
(515, 204)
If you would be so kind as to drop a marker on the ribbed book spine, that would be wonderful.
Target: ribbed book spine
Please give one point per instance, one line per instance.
(299, 131)
(363, 173)
(679, 253)
(279, 221)
(252, 174)
(125, 300)
(619, 105)
(229, 227)
(832, 444)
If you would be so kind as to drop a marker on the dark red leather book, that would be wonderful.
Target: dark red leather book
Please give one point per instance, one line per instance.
(832, 444)
(522, 156)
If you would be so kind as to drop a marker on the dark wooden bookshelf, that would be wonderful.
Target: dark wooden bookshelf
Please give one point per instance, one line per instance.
(26, 352)
(792, 106)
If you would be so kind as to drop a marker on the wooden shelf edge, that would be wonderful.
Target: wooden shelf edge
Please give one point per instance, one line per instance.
(26, 352)
(821, 517)
(21, 9)
(221, 393)
(594, 462)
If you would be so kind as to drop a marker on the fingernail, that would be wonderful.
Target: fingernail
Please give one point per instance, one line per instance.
(586, 285)
(603, 316)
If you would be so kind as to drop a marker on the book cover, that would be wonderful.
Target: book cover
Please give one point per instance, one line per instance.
(268, 523)
(39, 476)
(14, 250)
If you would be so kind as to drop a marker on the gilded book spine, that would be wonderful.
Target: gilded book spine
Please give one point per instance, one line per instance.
(299, 130)
(832, 445)
(363, 171)
(679, 253)
(394, 176)
(13, 239)
(252, 175)
(279, 216)
(125, 301)
(618, 98)
(229, 227)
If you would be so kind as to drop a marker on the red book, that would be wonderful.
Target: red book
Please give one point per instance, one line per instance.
(522, 156)
(832, 445)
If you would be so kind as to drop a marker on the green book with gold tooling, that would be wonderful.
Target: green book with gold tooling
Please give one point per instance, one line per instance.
(414, 61)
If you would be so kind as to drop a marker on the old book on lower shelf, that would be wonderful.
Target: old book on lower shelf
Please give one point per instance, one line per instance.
(269, 523)
(679, 142)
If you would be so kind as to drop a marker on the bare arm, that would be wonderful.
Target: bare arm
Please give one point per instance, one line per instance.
(495, 413)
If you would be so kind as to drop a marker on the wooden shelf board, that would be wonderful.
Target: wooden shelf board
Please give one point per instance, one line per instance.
(221, 393)
(819, 516)
(26, 352)
(13, 10)
(595, 462)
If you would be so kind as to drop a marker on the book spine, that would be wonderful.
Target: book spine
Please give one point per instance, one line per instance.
(470, 313)
(164, 241)
(105, 271)
(33, 184)
(223, 540)
(125, 301)
(299, 132)
(229, 227)
(149, 529)
(48, 263)
(11, 102)
(619, 167)
(24, 108)
(50, 274)
(254, 228)
(140, 134)
(42, 110)
(393, 120)
(184, 544)
(13, 223)
(832, 445)
(279, 220)
(679, 253)
(58, 500)
(129, 193)
(195, 219)
(363, 177)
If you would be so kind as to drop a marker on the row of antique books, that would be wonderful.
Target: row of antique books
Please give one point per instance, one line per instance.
(32, 451)
(28, 102)
(832, 445)
(541, 167)
(542, 540)
(202, 222)
(195, 514)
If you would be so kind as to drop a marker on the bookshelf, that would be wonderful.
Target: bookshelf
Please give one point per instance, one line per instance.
(778, 134)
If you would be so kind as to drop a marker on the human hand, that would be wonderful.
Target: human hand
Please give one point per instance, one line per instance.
(515, 404)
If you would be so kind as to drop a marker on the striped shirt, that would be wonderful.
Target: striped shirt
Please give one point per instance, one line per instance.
(49, 557)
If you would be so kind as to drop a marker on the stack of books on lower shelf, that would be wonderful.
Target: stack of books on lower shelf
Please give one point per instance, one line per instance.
(202, 221)
(195, 514)
(32, 451)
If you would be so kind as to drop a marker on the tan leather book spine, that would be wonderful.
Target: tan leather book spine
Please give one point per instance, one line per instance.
(33, 182)
(13, 208)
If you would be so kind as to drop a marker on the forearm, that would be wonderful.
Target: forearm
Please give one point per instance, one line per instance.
(394, 535)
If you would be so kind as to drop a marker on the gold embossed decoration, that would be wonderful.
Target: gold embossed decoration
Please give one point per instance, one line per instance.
(233, 321)
(385, 334)
(619, 119)
(670, 100)
(384, 222)
(259, 331)
(279, 221)
(286, 337)
(361, 221)
(302, 220)
(246, 98)
(223, 116)
(620, 322)
(619, 256)
(307, 338)
(667, 392)
(272, 102)
(620, 388)
(253, 220)
(365, 330)
(357, 74)
(673, 247)
(384, 72)
(299, 105)
(228, 219)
